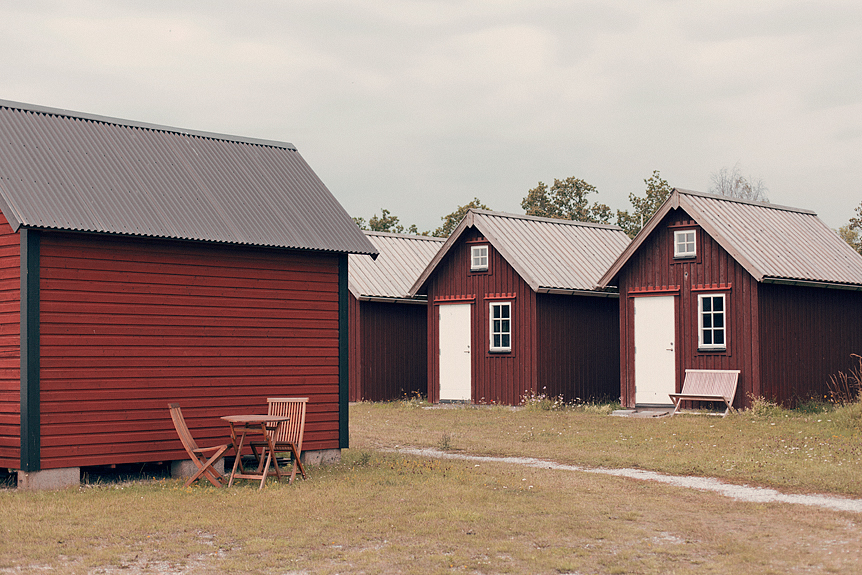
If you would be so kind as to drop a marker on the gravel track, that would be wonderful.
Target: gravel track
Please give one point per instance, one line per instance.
(737, 492)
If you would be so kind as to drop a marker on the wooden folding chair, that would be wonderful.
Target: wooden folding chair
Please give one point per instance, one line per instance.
(288, 436)
(198, 454)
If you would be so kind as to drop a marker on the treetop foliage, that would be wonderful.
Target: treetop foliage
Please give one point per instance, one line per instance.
(566, 200)
(852, 232)
(657, 191)
(451, 221)
(731, 183)
(386, 223)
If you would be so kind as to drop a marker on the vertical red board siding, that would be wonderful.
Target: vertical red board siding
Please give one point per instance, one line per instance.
(354, 346)
(130, 325)
(496, 377)
(653, 267)
(392, 350)
(10, 346)
(808, 335)
(578, 347)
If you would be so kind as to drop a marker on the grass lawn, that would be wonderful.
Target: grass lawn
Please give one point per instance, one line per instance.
(384, 512)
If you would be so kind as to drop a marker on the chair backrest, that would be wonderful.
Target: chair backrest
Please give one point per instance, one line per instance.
(294, 408)
(182, 429)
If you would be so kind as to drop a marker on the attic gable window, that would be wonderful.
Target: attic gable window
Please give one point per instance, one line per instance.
(478, 258)
(684, 244)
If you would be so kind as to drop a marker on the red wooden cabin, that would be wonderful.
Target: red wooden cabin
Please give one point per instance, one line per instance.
(143, 265)
(512, 310)
(389, 329)
(716, 283)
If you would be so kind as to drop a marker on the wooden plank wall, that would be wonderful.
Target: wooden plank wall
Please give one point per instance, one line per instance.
(354, 345)
(578, 346)
(496, 378)
(10, 340)
(130, 325)
(393, 350)
(654, 268)
(808, 335)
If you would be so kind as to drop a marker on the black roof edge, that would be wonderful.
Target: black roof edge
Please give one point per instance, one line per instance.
(143, 125)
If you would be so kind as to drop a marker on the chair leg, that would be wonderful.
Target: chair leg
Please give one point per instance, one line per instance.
(206, 470)
(296, 463)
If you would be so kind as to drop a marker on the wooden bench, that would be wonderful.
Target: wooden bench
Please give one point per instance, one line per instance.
(707, 385)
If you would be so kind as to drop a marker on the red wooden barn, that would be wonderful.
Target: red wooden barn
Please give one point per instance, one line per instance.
(142, 265)
(716, 283)
(512, 310)
(388, 329)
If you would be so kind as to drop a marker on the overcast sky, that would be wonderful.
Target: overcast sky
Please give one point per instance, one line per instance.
(418, 106)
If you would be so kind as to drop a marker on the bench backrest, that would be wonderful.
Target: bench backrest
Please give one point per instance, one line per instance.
(711, 382)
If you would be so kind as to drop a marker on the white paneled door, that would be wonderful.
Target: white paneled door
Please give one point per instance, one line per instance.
(655, 358)
(455, 352)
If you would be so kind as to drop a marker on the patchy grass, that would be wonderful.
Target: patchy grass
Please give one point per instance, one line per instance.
(381, 512)
(809, 451)
(385, 513)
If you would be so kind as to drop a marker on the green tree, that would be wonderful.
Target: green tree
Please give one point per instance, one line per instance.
(566, 200)
(657, 191)
(386, 223)
(852, 232)
(451, 221)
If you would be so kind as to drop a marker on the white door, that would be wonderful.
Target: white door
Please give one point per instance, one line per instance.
(655, 359)
(455, 352)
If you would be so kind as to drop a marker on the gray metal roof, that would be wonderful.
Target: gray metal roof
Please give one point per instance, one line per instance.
(551, 255)
(402, 258)
(773, 243)
(80, 172)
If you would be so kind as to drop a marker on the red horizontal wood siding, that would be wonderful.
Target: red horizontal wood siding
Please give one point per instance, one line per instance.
(578, 346)
(392, 359)
(129, 325)
(808, 335)
(653, 267)
(10, 348)
(496, 377)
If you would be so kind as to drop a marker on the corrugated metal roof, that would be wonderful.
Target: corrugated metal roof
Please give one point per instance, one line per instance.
(402, 258)
(772, 242)
(549, 254)
(775, 242)
(72, 171)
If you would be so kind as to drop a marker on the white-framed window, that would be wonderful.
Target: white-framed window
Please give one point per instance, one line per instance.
(684, 244)
(478, 258)
(501, 326)
(712, 324)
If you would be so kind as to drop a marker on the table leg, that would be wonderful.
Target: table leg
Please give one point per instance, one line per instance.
(238, 451)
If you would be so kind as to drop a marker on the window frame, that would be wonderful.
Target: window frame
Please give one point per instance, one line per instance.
(473, 251)
(687, 254)
(501, 332)
(701, 346)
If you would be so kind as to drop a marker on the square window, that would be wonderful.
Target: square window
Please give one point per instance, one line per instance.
(501, 326)
(478, 258)
(684, 244)
(712, 332)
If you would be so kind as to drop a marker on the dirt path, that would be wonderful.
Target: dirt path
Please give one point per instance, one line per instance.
(737, 492)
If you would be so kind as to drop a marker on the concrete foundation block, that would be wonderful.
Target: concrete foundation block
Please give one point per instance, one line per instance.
(321, 457)
(49, 478)
(187, 468)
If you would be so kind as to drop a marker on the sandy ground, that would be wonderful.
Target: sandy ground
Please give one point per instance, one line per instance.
(737, 492)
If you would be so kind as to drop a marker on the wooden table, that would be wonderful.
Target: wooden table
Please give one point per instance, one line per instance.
(240, 426)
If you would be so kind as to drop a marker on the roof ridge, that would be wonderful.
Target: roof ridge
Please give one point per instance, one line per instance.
(142, 125)
(544, 219)
(755, 203)
(405, 236)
